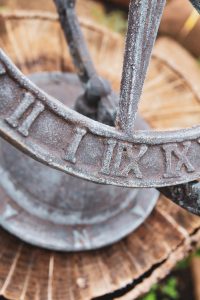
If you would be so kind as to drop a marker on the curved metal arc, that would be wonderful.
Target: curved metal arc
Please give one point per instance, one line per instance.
(85, 148)
(151, 137)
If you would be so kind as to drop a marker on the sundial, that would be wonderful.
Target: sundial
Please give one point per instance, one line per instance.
(82, 170)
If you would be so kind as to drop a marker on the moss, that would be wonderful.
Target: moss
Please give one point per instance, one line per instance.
(116, 20)
(169, 288)
(166, 290)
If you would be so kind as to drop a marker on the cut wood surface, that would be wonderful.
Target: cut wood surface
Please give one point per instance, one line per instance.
(23, 31)
(129, 268)
(182, 22)
(195, 265)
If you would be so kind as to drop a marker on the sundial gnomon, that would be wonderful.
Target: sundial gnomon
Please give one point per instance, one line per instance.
(99, 142)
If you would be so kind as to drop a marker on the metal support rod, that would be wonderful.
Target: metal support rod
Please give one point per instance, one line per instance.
(95, 87)
(144, 20)
(75, 39)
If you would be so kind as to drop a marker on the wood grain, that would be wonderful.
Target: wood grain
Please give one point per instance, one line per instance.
(129, 268)
(195, 266)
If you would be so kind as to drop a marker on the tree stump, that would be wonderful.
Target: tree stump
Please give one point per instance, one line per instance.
(129, 268)
(195, 266)
(182, 22)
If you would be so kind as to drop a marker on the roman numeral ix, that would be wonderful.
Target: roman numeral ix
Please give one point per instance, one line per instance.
(112, 159)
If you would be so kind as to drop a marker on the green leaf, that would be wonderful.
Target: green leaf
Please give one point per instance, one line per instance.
(115, 20)
(198, 251)
(184, 264)
(170, 288)
(150, 296)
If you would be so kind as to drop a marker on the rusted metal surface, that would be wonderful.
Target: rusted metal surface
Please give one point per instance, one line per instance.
(96, 89)
(54, 210)
(144, 20)
(139, 159)
(88, 146)
(145, 159)
(185, 195)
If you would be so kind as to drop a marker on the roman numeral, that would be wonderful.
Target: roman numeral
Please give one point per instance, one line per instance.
(26, 103)
(112, 161)
(9, 212)
(74, 145)
(177, 159)
(108, 156)
(81, 238)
